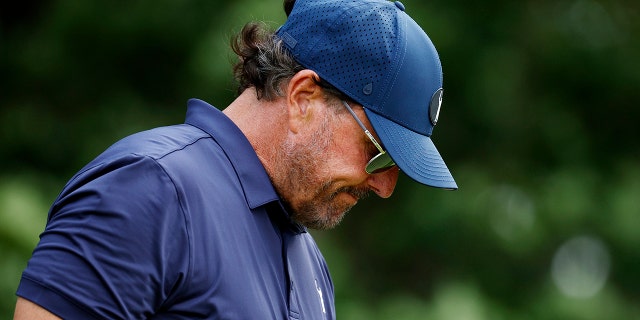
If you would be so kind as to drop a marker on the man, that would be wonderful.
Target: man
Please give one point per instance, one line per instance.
(208, 219)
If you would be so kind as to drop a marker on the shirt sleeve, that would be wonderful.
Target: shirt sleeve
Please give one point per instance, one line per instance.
(115, 245)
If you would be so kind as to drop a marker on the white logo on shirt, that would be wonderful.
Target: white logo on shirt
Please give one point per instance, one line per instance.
(320, 296)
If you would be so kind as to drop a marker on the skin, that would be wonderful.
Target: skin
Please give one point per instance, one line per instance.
(314, 153)
(318, 170)
(27, 310)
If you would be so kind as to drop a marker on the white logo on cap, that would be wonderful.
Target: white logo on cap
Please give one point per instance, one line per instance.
(435, 105)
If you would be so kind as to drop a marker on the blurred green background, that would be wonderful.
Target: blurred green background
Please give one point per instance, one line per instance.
(539, 126)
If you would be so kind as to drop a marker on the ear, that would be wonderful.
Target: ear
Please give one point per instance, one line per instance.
(304, 98)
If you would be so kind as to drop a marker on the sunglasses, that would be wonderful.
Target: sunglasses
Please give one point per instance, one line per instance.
(380, 162)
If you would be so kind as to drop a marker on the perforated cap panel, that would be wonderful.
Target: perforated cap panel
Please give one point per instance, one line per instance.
(349, 43)
(340, 61)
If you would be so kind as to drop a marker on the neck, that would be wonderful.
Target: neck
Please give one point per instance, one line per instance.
(262, 122)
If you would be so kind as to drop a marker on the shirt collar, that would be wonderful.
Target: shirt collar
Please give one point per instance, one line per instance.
(254, 180)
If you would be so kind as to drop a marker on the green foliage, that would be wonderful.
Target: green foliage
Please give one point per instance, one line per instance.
(538, 127)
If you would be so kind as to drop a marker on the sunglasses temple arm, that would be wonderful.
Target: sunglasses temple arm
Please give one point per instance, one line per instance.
(366, 131)
(374, 141)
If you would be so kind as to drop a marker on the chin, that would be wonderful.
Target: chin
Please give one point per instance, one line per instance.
(321, 219)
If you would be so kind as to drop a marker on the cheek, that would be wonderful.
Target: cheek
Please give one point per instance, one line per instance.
(346, 153)
(347, 156)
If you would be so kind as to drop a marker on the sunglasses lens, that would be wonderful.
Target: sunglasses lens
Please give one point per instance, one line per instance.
(379, 163)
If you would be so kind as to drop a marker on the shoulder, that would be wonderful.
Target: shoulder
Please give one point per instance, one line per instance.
(142, 152)
(156, 143)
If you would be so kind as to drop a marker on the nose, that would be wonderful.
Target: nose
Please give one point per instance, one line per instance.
(384, 182)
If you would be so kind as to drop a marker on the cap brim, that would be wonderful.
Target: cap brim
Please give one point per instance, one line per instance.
(414, 153)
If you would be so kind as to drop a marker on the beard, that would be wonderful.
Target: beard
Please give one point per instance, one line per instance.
(322, 212)
(303, 175)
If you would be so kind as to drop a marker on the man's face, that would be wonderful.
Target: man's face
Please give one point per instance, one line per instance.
(325, 170)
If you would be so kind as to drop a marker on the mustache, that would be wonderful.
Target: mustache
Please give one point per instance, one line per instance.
(358, 193)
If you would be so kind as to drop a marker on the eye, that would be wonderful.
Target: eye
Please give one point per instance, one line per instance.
(371, 149)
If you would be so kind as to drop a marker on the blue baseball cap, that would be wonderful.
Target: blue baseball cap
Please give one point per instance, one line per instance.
(373, 52)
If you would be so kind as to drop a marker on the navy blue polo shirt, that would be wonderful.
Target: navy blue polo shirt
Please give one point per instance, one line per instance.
(178, 222)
